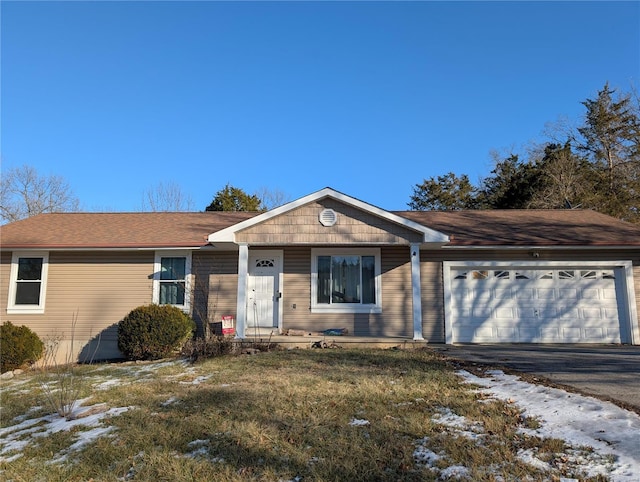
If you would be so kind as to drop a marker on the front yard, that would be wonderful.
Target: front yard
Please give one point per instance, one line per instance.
(313, 415)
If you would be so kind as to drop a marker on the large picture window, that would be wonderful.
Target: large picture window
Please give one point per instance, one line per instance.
(28, 282)
(171, 279)
(346, 280)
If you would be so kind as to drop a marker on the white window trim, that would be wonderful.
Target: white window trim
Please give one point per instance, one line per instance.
(188, 282)
(343, 307)
(12, 308)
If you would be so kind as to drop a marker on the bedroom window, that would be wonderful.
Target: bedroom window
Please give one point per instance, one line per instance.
(27, 288)
(346, 281)
(171, 279)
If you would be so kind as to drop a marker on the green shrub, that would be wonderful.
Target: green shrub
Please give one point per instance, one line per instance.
(154, 331)
(18, 346)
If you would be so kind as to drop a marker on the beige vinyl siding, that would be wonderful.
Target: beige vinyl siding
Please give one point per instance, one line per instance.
(5, 272)
(395, 319)
(296, 291)
(94, 290)
(432, 298)
(397, 304)
(301, 226)
(215, 286)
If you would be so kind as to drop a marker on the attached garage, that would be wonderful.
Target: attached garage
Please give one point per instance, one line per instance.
(539, 302)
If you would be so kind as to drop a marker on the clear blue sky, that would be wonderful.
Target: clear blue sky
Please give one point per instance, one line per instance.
(369, 98)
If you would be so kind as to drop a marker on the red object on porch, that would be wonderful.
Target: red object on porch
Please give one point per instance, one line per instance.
(228, 325)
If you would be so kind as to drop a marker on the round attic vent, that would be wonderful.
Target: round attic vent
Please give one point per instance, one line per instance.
(328, 217)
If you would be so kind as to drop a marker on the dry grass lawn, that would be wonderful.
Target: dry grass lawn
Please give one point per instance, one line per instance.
(312, 415)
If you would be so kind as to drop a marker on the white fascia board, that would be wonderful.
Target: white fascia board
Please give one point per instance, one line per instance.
(228, 234)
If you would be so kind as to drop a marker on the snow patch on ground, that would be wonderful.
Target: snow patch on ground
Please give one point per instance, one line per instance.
(15, 438)
(612, 432)
(197, 380)
(356, 422)
(115, 382)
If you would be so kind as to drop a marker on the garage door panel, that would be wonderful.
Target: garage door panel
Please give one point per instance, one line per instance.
(505, 313)
(568, 313)
(502, 294)
(461, 293)
(536, 306)
(595, 333)
(545, 294)
(482, 312)
(482, 295)
(505, 333)
(570, 334)
(525, 293)
(592, 314)
(546, 312)
(549, 334)
(528, 333)
(610, 313)
(564, 293)
(590, 294)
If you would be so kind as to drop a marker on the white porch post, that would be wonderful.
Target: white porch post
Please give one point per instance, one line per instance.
(415, 289)
(241, 307)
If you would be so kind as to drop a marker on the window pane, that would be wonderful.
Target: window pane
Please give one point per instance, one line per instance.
(345, 272)
(29, 268)
(324, 279)
(479, 274)
(172, 268)
(28, 293)
(172, 293)
(368, 279)
(566, 274)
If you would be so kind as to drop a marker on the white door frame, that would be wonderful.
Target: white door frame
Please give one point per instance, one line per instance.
(628, 315)
(243, 283)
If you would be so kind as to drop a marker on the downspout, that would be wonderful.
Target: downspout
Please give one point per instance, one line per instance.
(416, 292)
(241, 306)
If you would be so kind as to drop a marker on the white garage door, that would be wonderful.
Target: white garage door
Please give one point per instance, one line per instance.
(576, 305)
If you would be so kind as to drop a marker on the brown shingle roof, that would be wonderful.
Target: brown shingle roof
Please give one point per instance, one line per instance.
(117, 230)
(529, 227)
(466, 228)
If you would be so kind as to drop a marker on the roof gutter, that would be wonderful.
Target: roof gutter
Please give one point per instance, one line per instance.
(539, 247)
(98, 248)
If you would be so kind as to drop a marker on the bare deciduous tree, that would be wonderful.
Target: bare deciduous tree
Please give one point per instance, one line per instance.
(167, 198)
(25, 193)
(564, 180)
(272, 198)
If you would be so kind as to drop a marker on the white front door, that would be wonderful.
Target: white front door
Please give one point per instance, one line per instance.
(263, 293)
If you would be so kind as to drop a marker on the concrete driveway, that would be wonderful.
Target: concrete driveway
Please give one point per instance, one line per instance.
(607, 372)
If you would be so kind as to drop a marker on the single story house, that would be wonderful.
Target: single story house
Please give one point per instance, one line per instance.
(328, 260)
